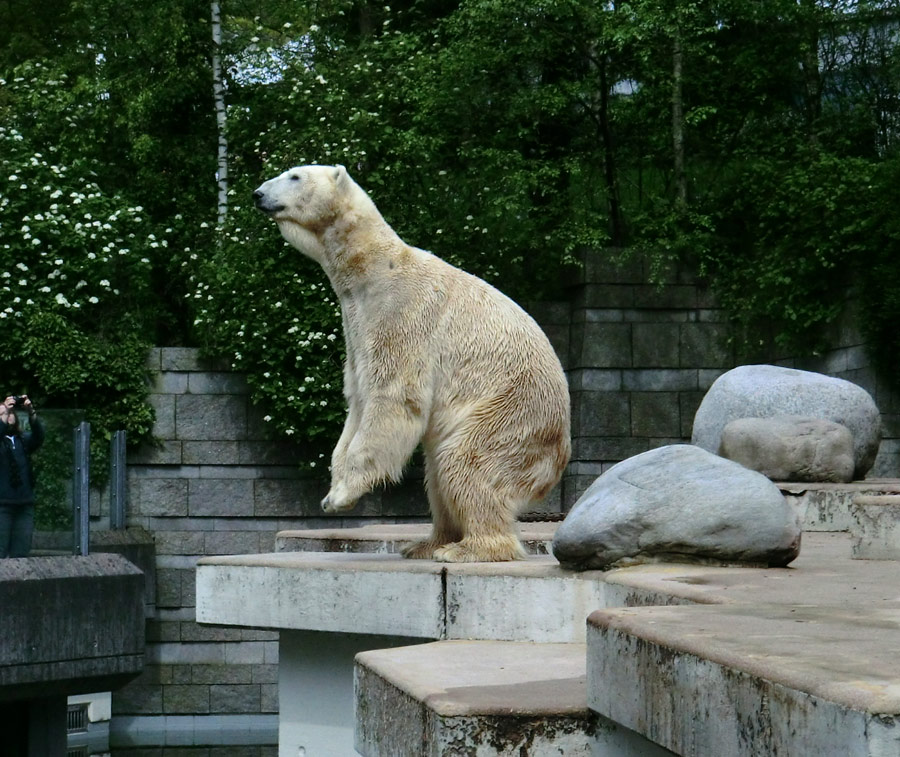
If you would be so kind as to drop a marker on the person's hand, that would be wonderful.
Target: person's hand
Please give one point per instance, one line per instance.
(26, 403)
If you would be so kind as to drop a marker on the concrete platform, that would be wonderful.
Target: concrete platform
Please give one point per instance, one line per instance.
(799, 661)
(473, 697)
(876, 527)
(750, 679)
(697, 659)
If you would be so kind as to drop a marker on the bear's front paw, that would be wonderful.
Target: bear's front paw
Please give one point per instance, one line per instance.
(338, 499)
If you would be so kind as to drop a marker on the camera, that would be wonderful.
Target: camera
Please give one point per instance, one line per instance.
(19, 401)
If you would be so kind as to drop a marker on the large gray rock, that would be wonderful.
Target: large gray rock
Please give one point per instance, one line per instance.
(761, 391)
(791, 448)
(678, 502)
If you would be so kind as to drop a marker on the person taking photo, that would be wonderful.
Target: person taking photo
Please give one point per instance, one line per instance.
(16, 476)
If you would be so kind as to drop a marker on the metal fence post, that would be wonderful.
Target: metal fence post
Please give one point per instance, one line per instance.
(81, 488)
(117, 481)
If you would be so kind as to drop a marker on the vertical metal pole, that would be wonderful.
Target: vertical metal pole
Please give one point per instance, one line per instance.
(81, 488)
(117, 481)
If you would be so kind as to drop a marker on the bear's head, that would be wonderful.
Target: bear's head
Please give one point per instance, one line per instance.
(306, 200)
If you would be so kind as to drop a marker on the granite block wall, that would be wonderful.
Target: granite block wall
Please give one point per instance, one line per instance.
(213, 484)
(641, 356)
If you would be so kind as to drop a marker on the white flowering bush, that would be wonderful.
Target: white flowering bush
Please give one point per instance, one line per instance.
(75, 294)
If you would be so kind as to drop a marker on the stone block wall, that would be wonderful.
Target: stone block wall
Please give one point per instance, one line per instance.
(215, 484)
(641, 356)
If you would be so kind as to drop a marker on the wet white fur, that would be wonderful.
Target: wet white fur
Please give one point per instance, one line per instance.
(434, 355)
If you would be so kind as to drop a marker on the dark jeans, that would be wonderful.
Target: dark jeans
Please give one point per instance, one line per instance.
(16, 530)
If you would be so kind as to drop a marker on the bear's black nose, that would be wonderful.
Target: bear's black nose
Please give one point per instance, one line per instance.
(257, 197)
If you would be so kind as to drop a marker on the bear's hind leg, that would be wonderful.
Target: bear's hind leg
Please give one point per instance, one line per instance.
(485, 516)
(444, 530)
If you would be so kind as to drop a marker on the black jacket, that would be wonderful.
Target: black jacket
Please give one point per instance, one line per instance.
(16, 476)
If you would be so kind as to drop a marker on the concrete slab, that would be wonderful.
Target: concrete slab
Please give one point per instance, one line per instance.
(323, 592)
(876, 527)
(824, 573)
(826, 507)
(527, 600)
(390, 539)
(530, 600)
(69, 625)
(817, 680)
(473, 697)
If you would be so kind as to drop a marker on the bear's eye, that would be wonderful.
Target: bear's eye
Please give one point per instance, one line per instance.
(295, 177)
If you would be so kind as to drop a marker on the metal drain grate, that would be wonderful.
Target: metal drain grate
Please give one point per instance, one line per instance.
(77, 721)
(78, 751)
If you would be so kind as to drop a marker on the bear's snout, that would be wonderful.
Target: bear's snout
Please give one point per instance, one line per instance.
(262, 202)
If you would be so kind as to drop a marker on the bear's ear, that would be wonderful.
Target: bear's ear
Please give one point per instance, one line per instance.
(340, 176)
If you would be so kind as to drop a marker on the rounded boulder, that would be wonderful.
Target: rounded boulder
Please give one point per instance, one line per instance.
(678, 502)
(763, 391)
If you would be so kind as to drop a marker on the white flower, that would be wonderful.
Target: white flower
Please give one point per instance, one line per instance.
(61, 299)
(104, 282)
(93, 300)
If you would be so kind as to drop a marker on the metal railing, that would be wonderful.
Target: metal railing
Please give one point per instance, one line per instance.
(81, 485)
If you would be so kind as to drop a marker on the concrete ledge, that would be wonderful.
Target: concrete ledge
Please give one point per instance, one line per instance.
(876, 527)
(322, 592)
(69, 625)
(484, 697)
(390, 539)
(528, 600)
(759, 680)
(826, 507)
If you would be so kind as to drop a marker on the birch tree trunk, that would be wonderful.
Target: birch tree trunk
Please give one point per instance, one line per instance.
(678, 121)
(219, 99)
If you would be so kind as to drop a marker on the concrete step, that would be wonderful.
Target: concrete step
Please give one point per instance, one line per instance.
(801, 680)
(875, 529)
(473, 697)
(390, 539)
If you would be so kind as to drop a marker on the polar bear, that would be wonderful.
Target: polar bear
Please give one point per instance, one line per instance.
(434, 356)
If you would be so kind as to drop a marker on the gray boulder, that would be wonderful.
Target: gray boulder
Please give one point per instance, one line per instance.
(761, 391)
(678, 502)
(791, 448)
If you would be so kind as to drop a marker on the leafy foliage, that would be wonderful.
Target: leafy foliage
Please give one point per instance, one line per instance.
(755, 142)
(76, 282)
